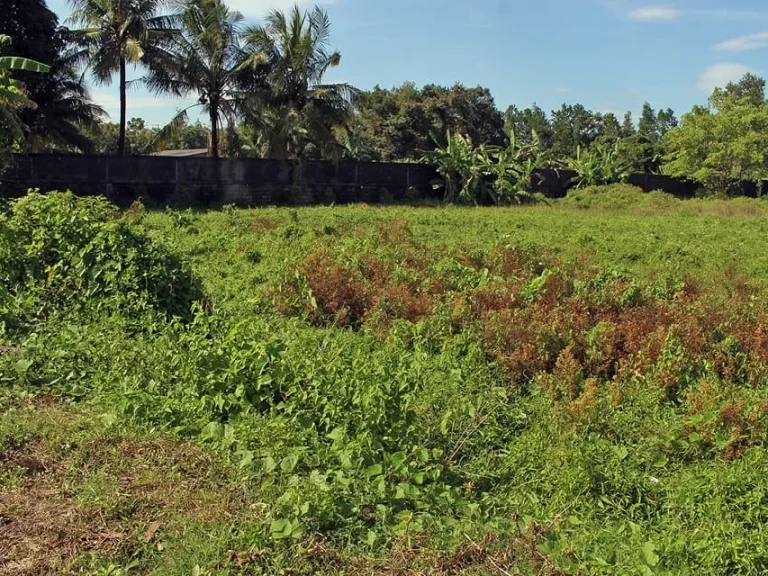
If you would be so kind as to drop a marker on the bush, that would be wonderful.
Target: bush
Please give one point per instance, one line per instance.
(618, 197)
(62, 252)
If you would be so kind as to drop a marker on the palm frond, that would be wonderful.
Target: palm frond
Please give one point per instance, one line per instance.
(177, 123)
(296, 110)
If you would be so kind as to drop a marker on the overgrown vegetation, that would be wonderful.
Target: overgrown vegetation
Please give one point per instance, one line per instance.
(721, 144)
(561, 389)
(62, 254)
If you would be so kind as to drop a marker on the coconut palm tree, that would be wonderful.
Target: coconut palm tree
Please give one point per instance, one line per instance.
(63, 112)
(116, 33)
(297, 109)
(207, 60)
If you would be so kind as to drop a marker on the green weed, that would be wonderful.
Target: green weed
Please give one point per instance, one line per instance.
(544, 390)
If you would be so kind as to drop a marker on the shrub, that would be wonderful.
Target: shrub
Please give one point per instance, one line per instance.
(62, 252)
(618, 197)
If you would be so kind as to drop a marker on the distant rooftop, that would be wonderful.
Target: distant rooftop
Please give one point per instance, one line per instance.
(195, 153)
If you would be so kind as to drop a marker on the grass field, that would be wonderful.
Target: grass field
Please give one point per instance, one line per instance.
(571, 388)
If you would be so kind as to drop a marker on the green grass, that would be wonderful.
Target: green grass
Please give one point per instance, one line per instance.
(237, 252)
(572, 388)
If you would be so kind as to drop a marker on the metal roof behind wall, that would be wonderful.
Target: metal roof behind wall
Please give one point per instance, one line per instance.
(197, 152)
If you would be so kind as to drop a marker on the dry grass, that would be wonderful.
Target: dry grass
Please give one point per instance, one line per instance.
(109, 495)
(114, 497)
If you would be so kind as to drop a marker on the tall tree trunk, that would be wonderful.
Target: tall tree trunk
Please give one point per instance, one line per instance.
(214, 115)
(123, 108)
(280, 137)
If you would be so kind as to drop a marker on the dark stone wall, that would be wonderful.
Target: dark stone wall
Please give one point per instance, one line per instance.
(159, 181)
(208, 182)
(674, 186)
(552, 183)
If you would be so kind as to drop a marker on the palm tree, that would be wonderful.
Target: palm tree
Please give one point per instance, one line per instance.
(63, 112)
(206, 62)
(116, 33)
(297, 109)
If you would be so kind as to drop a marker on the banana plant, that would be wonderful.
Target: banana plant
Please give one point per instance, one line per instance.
(514, 167)
(12, 96)
(597, 166)
(502, 173)
(463, 168)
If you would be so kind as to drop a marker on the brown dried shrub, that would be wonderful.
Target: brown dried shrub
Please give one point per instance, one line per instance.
(517, 262)
(569, 373)
(564, 336)
(340, 294)
(394, 232)
(585, 411)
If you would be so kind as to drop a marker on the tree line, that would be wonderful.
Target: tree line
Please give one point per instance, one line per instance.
(267, 79)
(263, 92)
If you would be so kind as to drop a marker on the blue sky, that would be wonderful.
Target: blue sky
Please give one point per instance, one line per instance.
(610, 55)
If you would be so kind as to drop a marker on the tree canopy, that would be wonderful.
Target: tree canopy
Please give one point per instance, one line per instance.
(296, 111)
(724, 141)
(396, 124)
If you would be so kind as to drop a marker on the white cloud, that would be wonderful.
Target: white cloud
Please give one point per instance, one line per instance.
(260, 8)
(744, 43)
(562, 90)
(655, 14)
(669, 13)
(718, 75)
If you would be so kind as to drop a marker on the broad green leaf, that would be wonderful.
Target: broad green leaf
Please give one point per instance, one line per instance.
(650, 556)
(18, 63)
(213, 431)
(397, 460)
(281, 529)
(289, 463)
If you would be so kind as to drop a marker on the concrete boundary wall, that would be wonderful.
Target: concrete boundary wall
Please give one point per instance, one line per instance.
(161, 181)
(206, 181)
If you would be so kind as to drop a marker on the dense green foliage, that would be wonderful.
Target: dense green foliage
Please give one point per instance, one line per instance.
(395, 125)
(60, 253)
(501, 174)
(62, 111)
(723, 143)
(563, 389)
(598, 165)
(141, 139)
